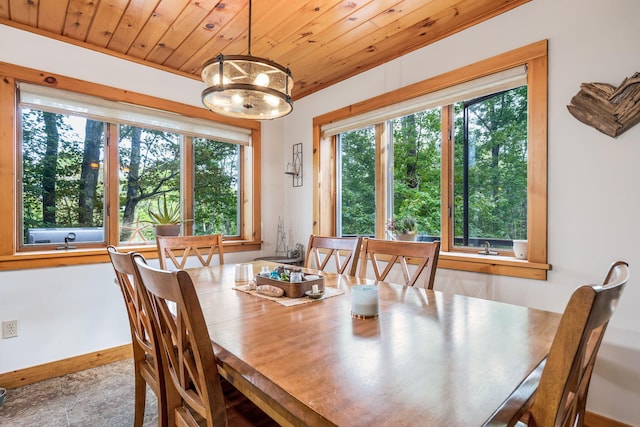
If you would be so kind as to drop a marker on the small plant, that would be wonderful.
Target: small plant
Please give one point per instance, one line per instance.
(166, 214)
(403, 225)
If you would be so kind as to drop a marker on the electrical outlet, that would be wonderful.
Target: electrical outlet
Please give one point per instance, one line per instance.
(9, 328)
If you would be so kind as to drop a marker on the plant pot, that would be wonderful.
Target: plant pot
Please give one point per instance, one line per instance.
(406, 236)
(520, 249)
(167, 230)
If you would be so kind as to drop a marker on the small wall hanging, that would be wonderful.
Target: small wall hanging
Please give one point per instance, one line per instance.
(294, 168)
(610, 110)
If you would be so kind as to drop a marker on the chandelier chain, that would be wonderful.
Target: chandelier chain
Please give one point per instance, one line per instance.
(249, 44)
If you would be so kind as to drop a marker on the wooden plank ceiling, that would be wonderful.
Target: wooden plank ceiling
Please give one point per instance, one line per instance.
(321, 41)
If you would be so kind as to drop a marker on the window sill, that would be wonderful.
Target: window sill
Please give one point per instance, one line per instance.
(57, 258)
(493, 264)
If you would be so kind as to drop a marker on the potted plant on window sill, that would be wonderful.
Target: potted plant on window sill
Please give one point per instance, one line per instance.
(166, 220)
(404, 228)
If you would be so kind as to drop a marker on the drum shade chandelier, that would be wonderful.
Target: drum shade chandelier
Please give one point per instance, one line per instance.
(247, 87)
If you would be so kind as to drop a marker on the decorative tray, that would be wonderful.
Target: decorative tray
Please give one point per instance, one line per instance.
(293, 290)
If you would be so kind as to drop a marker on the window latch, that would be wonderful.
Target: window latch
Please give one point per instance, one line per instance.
(68, 238)
(487, 249)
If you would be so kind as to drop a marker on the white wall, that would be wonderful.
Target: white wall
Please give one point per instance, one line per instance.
(69, 311)
(593, 179)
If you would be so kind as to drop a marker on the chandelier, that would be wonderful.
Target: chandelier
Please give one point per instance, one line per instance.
(246, 86)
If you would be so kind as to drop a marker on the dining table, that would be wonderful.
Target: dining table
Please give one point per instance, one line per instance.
(430, 358)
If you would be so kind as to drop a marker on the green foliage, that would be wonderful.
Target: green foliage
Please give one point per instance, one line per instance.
(358, 182)
(403, 225)
(497, 204)
(149, 178)
(497, 171)
(63, 162)
(416, 169)
(165, 214)
(216, 183)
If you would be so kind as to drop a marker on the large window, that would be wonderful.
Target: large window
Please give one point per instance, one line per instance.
(86, 169)
(415, 189)
(149, 175)
(356, 213)
(216, 187)
(490, 168)
(62, 178)
(464, 154)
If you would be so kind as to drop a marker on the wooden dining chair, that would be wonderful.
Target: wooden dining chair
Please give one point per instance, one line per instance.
(392, 252)
(564, 384)
(344, 251)
(147, 364)
(194, 390)
(178, 249)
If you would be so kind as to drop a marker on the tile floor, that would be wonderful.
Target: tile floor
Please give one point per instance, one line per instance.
(101, 396)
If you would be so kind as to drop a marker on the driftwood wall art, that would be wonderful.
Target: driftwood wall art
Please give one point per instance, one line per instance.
(610, 110)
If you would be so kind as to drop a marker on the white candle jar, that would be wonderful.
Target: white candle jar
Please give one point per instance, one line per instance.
(364, 301)
(244, 272)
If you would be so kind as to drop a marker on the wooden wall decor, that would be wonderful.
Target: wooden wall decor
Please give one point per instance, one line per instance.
(610, 110)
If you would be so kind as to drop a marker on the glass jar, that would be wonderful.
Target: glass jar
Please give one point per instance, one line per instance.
(295, 276)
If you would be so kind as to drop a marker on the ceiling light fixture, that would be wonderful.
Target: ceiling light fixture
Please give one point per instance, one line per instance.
(250, 87)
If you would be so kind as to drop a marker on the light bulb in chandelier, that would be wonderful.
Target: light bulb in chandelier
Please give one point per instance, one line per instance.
(261, 80)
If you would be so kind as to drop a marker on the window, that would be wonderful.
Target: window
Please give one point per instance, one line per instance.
(466, 160)
(490, 170)
(415, 189)
(357, 215)
(149, 175)
(216, 187)
(62, 178)
(90, 166)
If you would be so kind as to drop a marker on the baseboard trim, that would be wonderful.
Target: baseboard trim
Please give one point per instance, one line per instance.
(34, 374)
(595, 420)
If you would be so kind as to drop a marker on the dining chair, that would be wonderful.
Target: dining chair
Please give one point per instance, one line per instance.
(147, 364)
(392, 252)
(343, 250)
(179, 249)
(194, 388)
(564, 383)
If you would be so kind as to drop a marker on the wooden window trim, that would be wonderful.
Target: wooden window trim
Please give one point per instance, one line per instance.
(534, 56)
(11, 259)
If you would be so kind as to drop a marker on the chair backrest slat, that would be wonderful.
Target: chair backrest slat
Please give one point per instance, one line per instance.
(178, 249)
(392, 252)
(343, 250)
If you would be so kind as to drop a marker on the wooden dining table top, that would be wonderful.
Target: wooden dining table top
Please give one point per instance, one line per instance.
(430, 358)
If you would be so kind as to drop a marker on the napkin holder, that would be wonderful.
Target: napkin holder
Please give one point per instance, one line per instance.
(292, 290)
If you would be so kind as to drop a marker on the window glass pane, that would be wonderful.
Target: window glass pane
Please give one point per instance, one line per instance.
(416, 173)
(149, 176)
(62, 178)
(490, 186)
(216, 187)
(357, 172)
